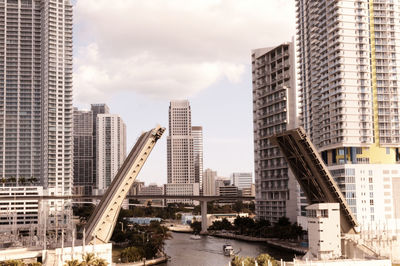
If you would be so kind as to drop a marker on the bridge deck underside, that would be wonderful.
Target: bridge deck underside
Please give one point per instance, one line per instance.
(312, 174)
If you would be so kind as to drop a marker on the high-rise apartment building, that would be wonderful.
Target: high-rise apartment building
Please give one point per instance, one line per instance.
(349, 66)
(274, 111)
(84, 178)
(209, 177)
(99, 108)
(197, 133)
(36, 92)
(111, 148)
(180, 152)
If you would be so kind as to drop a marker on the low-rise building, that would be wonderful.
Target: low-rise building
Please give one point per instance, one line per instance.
(324, 236)
(18, 215)
(152, 190)
(191, 189)
(242, 180)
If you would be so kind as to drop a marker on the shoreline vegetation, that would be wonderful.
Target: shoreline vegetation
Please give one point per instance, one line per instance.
(282, 234)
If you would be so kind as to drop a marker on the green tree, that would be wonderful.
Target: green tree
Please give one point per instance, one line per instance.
(224, 224)
(12, 263)
(243, 261)
(72, 263)
(148, 210)
(263, 260)
(88, 258)
(238, 206)
(131, 254)
(244, 224)
(22, 180)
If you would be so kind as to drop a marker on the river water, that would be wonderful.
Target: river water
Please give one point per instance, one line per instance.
(208, 251)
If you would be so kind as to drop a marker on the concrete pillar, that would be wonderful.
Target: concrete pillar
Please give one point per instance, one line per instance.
(204, 225)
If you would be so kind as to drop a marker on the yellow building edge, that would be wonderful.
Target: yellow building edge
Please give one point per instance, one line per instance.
(373, 73)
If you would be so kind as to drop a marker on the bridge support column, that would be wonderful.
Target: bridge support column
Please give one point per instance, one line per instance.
(204, 224)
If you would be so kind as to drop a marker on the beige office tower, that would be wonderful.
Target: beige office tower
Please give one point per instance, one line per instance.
(349, 59)
(274, 111)
(180, 155)
(209, 177)
(111, 149)
(36, 92)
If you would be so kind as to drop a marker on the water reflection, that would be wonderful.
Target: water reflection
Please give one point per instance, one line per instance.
(208, 250)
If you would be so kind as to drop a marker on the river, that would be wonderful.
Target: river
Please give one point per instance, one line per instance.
(208, 251)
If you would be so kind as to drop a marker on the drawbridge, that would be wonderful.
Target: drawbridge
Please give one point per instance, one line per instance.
(101, 223)
(312, 174)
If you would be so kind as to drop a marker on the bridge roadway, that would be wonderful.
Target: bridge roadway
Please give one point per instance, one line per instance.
(202, 199)
(74, 197)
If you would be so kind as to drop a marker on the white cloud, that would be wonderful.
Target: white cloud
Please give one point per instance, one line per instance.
(171, 48)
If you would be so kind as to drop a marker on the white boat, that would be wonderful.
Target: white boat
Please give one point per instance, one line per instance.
(228, 250)
(195, 237)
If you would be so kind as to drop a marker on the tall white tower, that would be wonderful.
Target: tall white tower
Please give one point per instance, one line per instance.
(111, 148)
(36, 92)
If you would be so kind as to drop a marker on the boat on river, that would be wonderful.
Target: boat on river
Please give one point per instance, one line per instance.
(195, 237)
(228, 250)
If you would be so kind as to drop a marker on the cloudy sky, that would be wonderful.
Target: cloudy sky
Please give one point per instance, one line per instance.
(137, 55)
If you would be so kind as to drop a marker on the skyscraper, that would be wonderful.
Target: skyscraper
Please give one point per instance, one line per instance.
(99, 108)
(180, 154)
(274, 111)
(111, 148)
(349, 59)
(83, 151)
(36, 92)
(197, 133)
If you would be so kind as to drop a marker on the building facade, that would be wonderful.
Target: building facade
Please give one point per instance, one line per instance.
(197, 133)
(221, 182)
(349, 58)
(209, 177)
(84, 178)
(36, 92)
(242, 180)
(20, 215)
(180, 152)
(274, 111)
(152, 190)
(97, 108)
(192, 189)
(111, 148)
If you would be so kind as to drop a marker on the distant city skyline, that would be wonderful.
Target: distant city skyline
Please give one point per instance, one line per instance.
(215, 75)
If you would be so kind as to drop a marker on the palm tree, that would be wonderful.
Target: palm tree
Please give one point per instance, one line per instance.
(12, 179)
(32, 180)
(22, 180)
(100, 262)
(72, 263)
